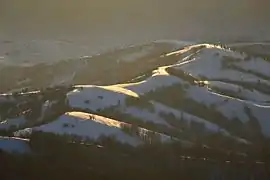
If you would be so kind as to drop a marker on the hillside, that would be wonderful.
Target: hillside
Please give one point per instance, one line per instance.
(57, 67)
(152, 93)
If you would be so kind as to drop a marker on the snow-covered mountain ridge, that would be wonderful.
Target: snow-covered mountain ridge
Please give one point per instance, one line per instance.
(191, 94)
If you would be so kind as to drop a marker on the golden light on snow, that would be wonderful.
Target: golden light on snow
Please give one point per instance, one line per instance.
(96, 118)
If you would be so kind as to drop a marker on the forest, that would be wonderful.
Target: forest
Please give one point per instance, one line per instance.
(67, 157)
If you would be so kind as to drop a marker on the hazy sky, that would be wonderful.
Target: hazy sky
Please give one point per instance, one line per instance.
(97, 19)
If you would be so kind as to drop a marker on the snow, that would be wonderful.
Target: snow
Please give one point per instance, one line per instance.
(154, 117)
(7, 98)
(211, 127)
(241, 140)
(199, 60)
(112, 95)
(159, 79)
(208, 63)
(229, 107)
(145, 115)
(262, 114)
(14, 145)
(99, 97)
(81, 125)
(188, 117)
(186, 51)
(90, 126)
(152, 83)
(252, 95)
(14, 122)
(256, 65)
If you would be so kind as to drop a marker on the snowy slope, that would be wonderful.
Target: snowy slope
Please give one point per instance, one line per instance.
(9, 123)
(229, 84)
(14, 145)
(239, 91)
(101, 97)
(207, 61)
(145, 115)
(93, 127)
(95, 97)
(104, 97)
(159, 79)
(188, 117)
(258, 65)
(232, 107)
(210, 127)
(214, 62)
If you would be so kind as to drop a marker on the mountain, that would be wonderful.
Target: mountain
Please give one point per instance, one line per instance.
(158, 92)
(93, 126)
(54, 68)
